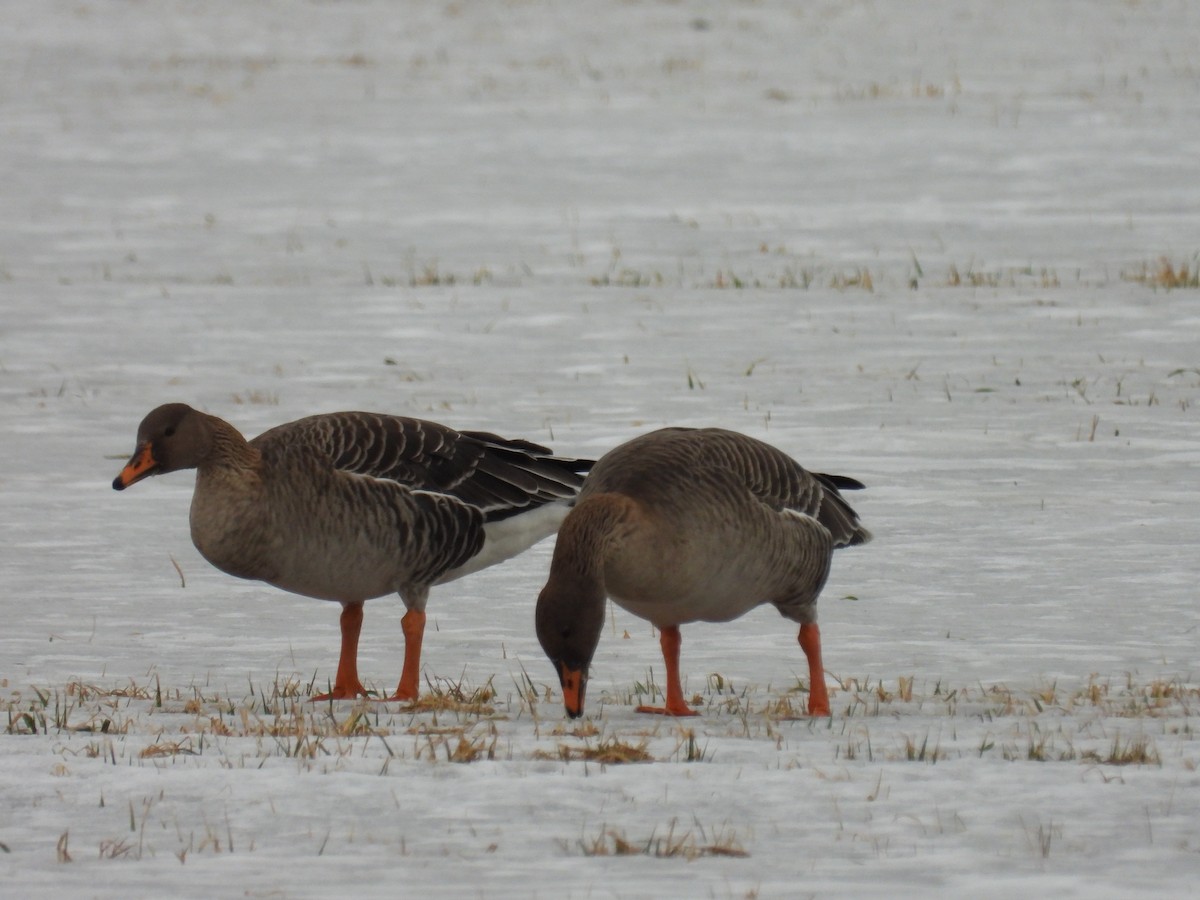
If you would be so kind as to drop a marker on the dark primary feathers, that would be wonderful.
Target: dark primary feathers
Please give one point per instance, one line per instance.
(499, 476)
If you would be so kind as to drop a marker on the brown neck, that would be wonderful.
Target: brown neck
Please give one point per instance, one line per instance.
(227, 448)
(592, 528)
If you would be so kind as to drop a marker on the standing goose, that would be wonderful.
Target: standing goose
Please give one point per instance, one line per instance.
(351, 506)
(685, 525)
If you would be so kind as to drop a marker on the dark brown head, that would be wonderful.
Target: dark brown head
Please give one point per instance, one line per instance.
(170, 438)
(569, 619)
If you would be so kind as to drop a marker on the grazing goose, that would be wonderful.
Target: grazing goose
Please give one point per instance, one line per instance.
(684, 525)
(351, 506)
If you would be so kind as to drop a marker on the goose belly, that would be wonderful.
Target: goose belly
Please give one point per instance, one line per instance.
(347, 571)
(679, 584)
(313, 556)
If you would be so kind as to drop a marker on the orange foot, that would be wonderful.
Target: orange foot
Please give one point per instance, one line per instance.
(340, 692)
(818, 709)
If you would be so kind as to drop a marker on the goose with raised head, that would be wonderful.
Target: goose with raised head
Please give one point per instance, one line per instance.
(684, 525)
(351, 506)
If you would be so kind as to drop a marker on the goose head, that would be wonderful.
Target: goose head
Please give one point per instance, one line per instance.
(569, 620)
(170, 438)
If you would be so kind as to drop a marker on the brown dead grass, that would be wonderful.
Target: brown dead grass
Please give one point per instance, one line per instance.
(1163, 273)
(611, 751)
(689, 845)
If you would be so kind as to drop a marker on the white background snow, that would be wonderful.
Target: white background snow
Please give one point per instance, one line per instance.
(922, 245)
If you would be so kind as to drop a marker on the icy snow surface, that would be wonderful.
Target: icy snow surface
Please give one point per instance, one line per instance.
(937, 247)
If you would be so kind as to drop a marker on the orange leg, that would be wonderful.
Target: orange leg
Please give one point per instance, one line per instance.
(671, 641)
(413, 624)
(810, 643)
(346, 685)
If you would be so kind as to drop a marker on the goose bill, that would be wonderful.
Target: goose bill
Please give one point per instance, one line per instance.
(574, 684)
(141, 465)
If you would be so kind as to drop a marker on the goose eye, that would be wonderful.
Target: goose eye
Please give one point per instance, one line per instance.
(170, 431)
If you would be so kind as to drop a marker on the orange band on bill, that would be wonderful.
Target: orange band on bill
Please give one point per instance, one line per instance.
(142, 464)
(574, 682)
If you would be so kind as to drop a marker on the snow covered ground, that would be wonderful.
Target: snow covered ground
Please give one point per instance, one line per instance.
(934, 247)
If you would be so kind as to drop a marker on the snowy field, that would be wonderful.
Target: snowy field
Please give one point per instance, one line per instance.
(949, 249)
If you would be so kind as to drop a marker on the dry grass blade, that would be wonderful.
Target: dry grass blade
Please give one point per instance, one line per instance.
(471, 749)
(612, 751)
(84, 691)
(60, 849)
(170, 748)
(355, 724)
(1165, 274)
(1137, 751)
(445, 695)
(454, 744)
(613, 842)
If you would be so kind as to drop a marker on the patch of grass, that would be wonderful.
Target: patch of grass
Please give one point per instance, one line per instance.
(857, 747)
(68, 704)
(610, 751)
(923, 752)
(689, 749)
(169, 748)
(115, 848)
(428, 274)
(910, 720)
(60, 849)
(636, 695)
(1164, 274)
(859, 278)
(1093, 694)
(729, 279)
(1009, 277)
(786, 708)
(88, 691)
(27, 722)
(584, 729)
(628, 278)
(447, 695)
(1135, 751)
(895, 89)
(1041, 839)
(1039, 747)
(689, 846)
(357, 724)
(456, 745)
(471, 749)
(1169, 689)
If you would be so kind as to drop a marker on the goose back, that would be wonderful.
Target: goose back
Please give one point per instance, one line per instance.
(661, 465)
(722, 522)
(499, 476)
